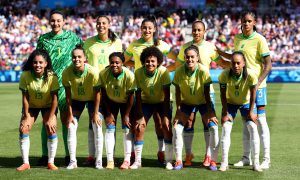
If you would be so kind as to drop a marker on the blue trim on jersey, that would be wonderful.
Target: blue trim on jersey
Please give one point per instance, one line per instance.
(138, 142)
(24, 135)
(261, 97)
(52, 137)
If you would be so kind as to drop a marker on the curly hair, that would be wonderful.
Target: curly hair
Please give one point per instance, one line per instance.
(28, 65)
(152, 51)
(117, 54)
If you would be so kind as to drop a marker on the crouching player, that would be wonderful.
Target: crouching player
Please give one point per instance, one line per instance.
(192, 84)
(80, 82)
(39, 86)
(152, 97)
(238, 87)
(117, 88)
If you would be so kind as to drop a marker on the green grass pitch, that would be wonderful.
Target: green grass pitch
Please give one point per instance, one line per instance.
(283, 118)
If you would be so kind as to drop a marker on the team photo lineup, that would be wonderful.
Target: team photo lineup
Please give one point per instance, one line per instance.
(65, 75)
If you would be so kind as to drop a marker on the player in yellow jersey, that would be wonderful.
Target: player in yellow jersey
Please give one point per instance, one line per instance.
(238, 86)
(39, 86)
(208, 53)
(81, 85)
(97, 49)
(192, 83)
(152, 97)
(117, 89)
(149, 38)
(255, 48)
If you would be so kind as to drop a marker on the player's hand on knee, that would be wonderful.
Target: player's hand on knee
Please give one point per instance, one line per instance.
(253, 117)
(226, 117)
(126, 121)
(96, 119)
(25, 125)
(140, 124)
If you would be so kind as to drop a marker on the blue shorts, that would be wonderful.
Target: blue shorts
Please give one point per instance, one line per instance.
(244, 109)
(202, 109)
(80, 105)
(149, 109)
(261, 97)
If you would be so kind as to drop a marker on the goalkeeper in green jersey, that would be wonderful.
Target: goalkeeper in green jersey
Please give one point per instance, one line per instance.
(59, 44)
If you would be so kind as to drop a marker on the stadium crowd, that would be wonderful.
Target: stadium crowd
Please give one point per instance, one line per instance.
(21, 23)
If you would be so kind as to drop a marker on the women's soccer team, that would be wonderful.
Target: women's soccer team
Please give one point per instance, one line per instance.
(67, 74)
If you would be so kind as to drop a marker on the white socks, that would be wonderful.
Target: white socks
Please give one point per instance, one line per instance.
(254, 139)
(127, 142)
(206, 138)
(214, 142)
(110, 141)
(72, 139)
(138, 148)
(178, 141)
(161, 144)
(98, 137)
(264, 135)
(91, 141)
(169, 152)
(24, 146)
(225, 140)
(52, 147)
(188, 136)
(246, 140)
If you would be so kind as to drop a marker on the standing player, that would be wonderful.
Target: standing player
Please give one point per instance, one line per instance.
(237, 86)
(152, 96)
(81, 85)
(149, 38)
(192, 84)
(207, 53)
(117, 88)
(255, 48)
(39, 86)
(59, 44)
(98, 48)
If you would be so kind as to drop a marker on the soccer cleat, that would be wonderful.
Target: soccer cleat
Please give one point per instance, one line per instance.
(169, 166)
(256, 167)
(161, 157)
(43, 161)
(265, 164)
(125, 165)
(136, 165)
(206, 161)
(243, 162)
(72, 165)
(223, 167)
(178, 165)
(51, 166)
(213, 166)
(188, 159)
(67, 160)
(110, 165)
(90, 161)
(99, 165)
(23, 167)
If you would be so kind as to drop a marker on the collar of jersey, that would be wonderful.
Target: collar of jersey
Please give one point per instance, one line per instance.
(80, 74)
(103, 42)
(190, 74)
(148, 75)
(57, 35)
(143, 41)
(119, 76)
(237, 78)
(36, 78)
(198, 44)
(248, 37)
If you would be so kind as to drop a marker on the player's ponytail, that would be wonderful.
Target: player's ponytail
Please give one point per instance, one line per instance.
(152, 19)
(111, 35)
